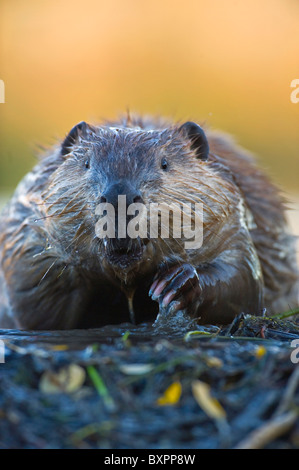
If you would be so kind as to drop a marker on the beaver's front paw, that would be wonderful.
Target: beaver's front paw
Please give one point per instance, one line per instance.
(177, 289)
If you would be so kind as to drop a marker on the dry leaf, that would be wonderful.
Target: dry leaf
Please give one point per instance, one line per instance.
(68, 379)
(260, 351)
(214, 362)
(171, 395)
(211, 406)
(60, 347)
(135, 369)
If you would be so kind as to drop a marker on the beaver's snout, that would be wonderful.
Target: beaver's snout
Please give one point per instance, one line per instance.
(121, 188)
(122, 251)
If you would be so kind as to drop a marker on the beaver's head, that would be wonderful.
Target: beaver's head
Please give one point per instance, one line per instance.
(110, 181)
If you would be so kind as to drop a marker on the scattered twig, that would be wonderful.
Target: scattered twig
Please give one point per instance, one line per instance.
(101, 387)
(286, 401)
(268, 432)
(289, 313)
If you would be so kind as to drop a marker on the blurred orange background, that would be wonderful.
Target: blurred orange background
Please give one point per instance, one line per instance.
(226, 63)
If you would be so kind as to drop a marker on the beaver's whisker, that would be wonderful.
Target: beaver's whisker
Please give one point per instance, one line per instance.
(44, 203)
(191, 199)
(47, 272)
(63, 212)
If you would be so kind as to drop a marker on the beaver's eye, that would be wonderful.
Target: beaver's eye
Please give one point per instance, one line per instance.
(164, 164)
(87, 164)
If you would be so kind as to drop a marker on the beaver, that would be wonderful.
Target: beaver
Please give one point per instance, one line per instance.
(57, 273)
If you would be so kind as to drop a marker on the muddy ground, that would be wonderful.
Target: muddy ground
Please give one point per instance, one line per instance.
(128, 387)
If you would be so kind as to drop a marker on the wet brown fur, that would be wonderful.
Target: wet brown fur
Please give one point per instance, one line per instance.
(54, 269)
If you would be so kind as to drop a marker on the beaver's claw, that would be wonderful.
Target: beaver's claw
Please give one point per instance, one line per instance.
(177, 289)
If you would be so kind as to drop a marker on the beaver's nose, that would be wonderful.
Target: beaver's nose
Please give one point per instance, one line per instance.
(121, 188)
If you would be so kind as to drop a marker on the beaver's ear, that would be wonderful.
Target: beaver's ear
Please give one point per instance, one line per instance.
(80, 130)
(198, 139)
